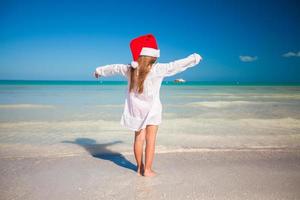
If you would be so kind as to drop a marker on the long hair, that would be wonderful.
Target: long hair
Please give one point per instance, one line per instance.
(139, 74)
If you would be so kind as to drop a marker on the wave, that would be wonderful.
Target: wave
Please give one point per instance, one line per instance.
(21, 106)
(218, 104)
(110, 106)
(63, 150)
(221, 104)
(239, 96)
(253, 127)
(185, 123)
(62, 125)
(250, 148)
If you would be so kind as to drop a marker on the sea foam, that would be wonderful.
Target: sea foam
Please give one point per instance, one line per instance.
(22, 106)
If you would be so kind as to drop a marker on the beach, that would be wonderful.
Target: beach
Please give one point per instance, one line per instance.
(64, 141)
(263, 174)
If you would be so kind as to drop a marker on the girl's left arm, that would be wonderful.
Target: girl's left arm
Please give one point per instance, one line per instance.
(114, 69)
(177, 66)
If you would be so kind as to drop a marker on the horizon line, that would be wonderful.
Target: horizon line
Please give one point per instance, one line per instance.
(12, 81)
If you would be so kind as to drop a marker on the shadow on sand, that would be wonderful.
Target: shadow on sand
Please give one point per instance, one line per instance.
(101, 151)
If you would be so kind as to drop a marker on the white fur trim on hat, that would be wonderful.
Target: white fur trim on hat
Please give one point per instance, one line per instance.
(146, 51)
(134, 64)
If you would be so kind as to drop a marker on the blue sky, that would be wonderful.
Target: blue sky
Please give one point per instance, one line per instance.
(66, 40)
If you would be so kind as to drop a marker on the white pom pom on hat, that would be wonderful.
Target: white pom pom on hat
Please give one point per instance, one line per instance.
(143, 45)
(134, 64)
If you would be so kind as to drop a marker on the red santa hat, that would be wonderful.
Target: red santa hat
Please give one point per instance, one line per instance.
(143, 45)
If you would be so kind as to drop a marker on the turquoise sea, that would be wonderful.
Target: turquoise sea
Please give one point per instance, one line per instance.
(56, 118)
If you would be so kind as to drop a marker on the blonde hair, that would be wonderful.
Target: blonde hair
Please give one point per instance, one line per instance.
(139, 74)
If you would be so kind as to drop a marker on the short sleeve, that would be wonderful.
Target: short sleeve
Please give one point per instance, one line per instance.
(113, 69)
(177, 66)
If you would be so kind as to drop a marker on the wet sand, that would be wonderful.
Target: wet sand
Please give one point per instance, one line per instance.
(233, 174)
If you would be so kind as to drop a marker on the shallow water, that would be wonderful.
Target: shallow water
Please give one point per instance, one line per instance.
(54, 119)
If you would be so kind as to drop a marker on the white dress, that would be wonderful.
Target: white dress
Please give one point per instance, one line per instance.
(146, 108)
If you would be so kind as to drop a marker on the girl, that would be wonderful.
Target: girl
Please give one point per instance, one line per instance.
(143, 109)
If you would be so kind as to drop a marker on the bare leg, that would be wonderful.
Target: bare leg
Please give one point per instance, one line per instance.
(151, 131)
(138, 150)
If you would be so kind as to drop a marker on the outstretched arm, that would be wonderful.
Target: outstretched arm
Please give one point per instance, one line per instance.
(172, 68)
(110, 70)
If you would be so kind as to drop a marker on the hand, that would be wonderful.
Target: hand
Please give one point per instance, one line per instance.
(96, 75)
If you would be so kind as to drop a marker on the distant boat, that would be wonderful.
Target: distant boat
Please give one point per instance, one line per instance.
(179, 80)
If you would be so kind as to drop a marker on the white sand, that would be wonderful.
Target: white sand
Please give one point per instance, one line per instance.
(202, 175)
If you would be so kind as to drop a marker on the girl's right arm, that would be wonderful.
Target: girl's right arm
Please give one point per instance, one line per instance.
(110, 70)
(172, 68)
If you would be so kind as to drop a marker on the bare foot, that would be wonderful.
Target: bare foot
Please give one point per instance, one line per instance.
(140, 170)
(149, 173)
